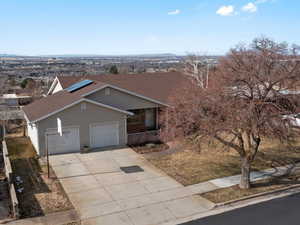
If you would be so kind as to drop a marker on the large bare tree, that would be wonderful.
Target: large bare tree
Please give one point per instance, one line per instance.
(246, 102)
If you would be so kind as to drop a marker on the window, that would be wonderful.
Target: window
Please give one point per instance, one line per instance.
(150, 119)
(137, 118)
(142, 120)
(136, 122)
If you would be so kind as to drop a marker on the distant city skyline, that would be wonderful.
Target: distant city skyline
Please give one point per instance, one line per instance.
(91, 27)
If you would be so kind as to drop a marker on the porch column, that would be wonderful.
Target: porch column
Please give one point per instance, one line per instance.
(167, 119)
(157, 119)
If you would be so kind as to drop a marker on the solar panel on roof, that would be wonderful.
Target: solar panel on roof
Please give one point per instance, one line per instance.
(79, 85)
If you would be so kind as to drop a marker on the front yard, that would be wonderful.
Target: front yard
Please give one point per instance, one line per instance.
(37, 194)
(191, 167)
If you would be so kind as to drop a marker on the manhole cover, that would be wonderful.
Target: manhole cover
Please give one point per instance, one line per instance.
(131, 169)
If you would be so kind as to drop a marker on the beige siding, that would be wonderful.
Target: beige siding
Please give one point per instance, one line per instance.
(121, 100)
(75, 117)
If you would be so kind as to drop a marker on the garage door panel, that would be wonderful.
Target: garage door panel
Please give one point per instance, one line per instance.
(68, 142)
(103, 135)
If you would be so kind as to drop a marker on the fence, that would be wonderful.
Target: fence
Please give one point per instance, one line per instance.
(9, 175)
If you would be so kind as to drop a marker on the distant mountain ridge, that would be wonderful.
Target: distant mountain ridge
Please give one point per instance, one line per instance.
(8, 55)
(90, 55)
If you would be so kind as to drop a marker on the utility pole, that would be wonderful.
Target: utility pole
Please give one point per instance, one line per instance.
(47, 157)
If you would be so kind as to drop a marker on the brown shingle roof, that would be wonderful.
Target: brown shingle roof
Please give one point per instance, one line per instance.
(155, 86)
(52, 103)
(158, 86)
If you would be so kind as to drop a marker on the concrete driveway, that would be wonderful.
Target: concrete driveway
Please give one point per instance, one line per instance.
(102, 193)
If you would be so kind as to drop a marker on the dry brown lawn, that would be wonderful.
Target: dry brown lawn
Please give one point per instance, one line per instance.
(38, 195)
(191, 167)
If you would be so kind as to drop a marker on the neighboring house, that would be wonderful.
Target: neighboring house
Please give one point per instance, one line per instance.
(99, 111)
(15, 100)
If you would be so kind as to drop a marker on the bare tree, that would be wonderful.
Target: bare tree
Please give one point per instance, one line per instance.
(197, 67)
(246, 102)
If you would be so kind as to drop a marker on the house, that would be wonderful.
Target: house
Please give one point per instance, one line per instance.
(99, 111)
(15, 100)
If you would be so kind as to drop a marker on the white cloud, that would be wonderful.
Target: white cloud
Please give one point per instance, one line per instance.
(250, 7)
(226, 10)
(175, 12)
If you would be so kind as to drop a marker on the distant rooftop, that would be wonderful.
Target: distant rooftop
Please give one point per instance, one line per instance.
(14, 96)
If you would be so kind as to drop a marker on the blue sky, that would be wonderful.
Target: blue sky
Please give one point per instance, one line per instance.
(36, 27)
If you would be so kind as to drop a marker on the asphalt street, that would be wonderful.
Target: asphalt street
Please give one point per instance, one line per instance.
(281, 211)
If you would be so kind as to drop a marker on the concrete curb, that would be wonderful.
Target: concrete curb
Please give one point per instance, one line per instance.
(256, 195)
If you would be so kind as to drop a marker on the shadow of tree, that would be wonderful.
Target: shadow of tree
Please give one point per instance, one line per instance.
(28, 183)
(283, 180)
(38, 195)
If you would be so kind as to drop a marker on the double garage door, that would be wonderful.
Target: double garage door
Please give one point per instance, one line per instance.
(101, 135)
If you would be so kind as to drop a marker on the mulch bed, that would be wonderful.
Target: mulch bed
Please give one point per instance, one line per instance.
(150, 148)
(38, 195)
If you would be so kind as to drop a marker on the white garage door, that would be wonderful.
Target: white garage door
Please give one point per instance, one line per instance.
(68, 142)
(104, 134)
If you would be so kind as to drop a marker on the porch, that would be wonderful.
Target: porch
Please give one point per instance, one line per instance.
(143, 126)
(143, 137)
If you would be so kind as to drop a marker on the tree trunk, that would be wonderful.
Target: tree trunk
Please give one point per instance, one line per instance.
(245, 176)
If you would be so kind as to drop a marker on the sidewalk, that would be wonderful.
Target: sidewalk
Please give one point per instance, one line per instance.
(255, 176)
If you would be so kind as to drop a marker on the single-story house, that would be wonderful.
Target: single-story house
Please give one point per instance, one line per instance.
(99, 111)
(15, 100)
